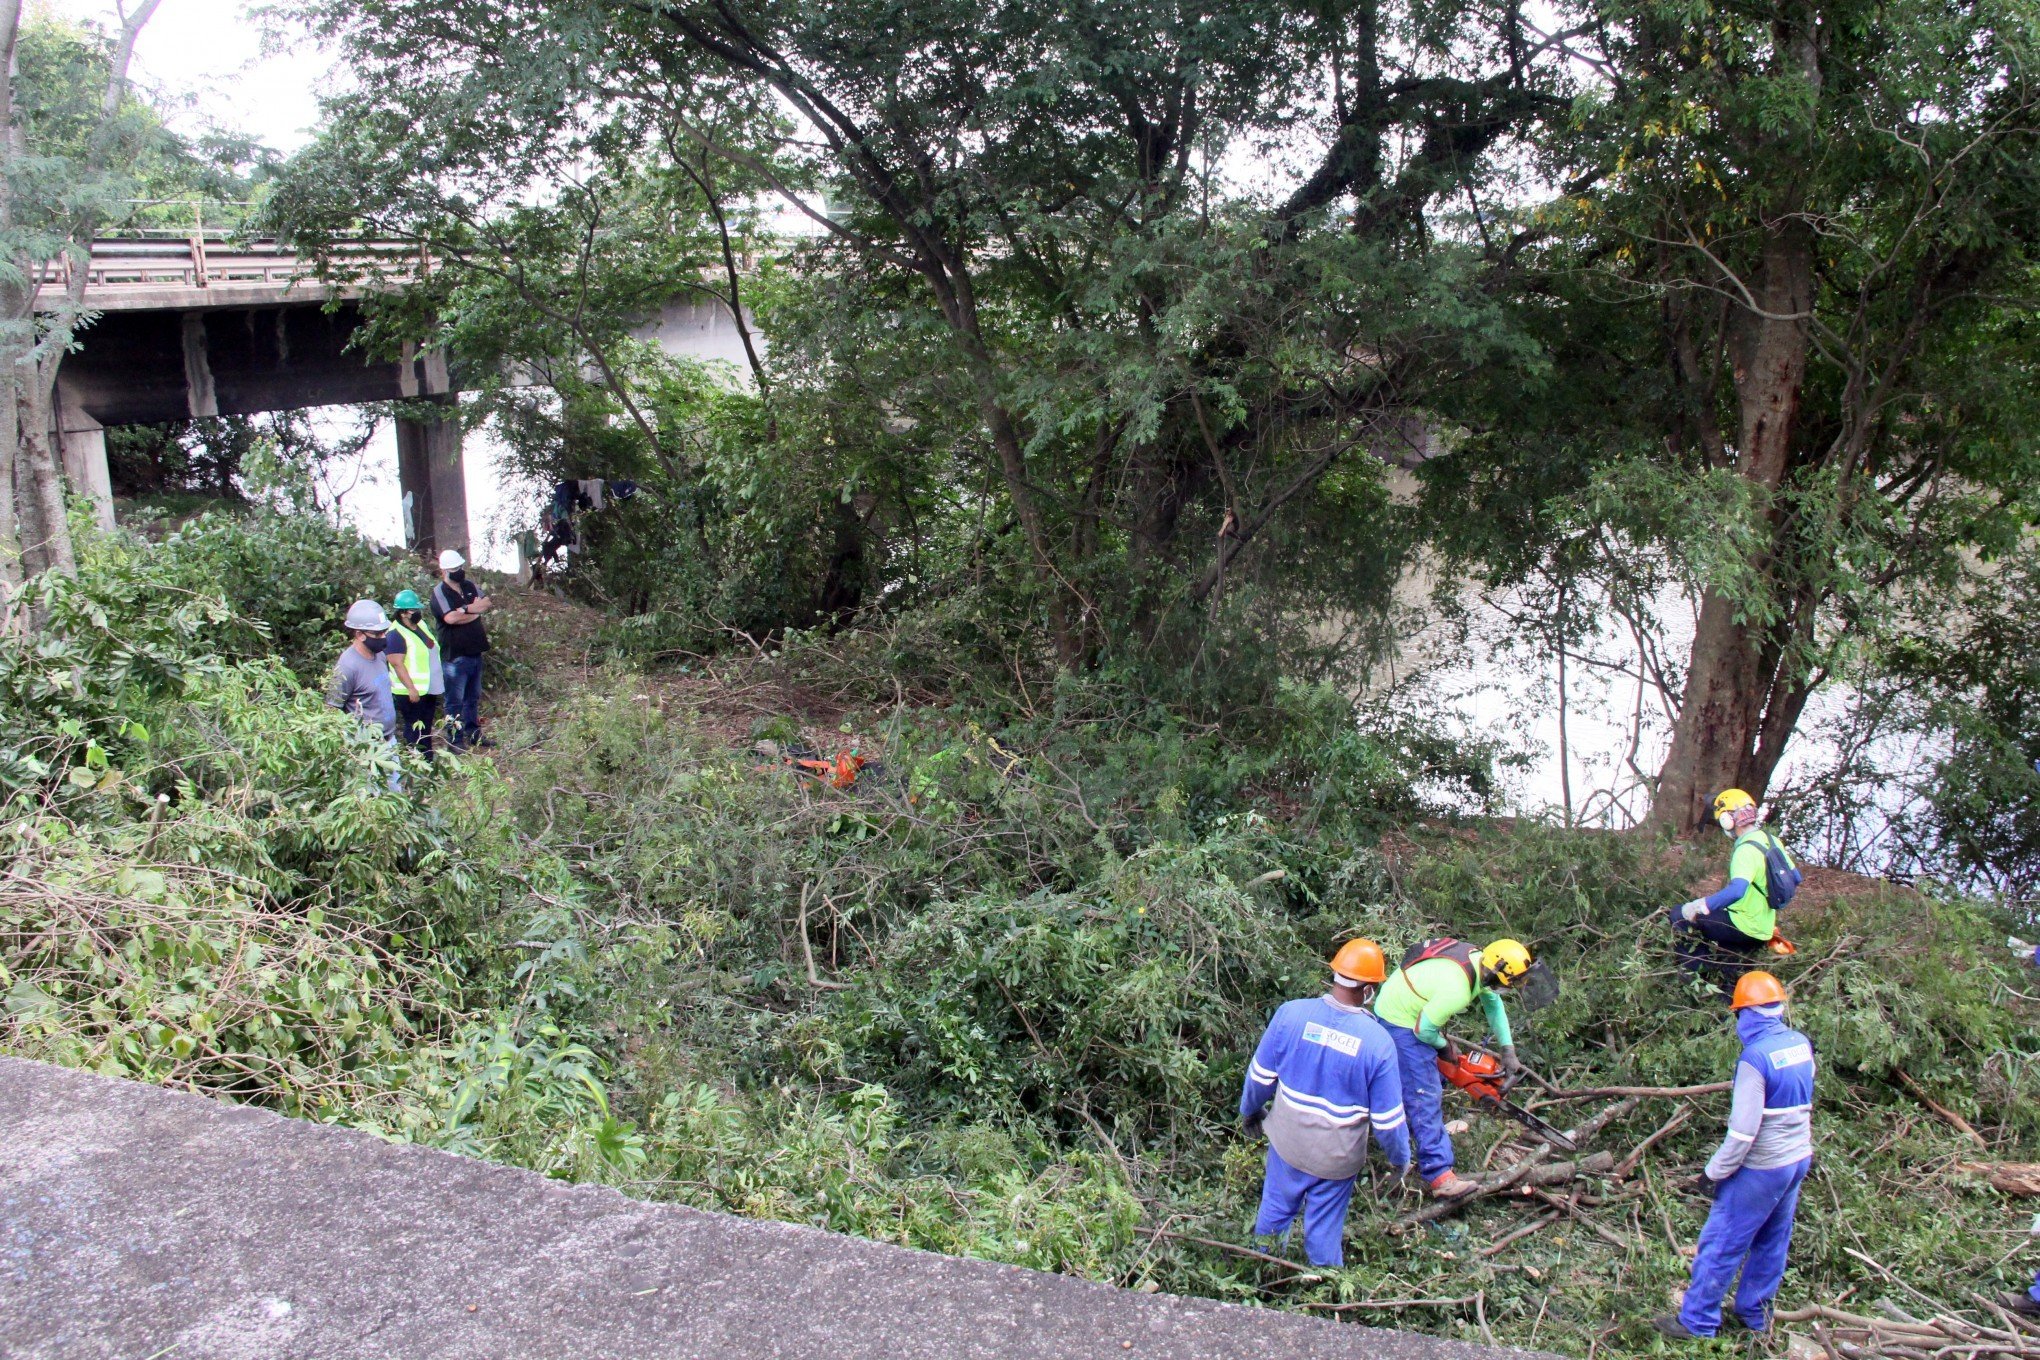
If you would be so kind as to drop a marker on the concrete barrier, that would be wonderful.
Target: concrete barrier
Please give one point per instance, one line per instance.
(153, 1225)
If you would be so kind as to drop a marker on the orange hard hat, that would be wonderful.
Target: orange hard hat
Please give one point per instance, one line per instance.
(1757, 988)
(1360, 961)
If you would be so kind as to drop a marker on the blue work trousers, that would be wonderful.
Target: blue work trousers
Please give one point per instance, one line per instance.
(2034, 1292)
(1423, 1100)
(1749, 1230)
(1286, 1191)
(463, 700)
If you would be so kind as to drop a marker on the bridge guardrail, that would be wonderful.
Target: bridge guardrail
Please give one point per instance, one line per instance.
(196, 263)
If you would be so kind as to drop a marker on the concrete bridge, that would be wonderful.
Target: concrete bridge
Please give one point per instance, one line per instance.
(207, 326)
(140, 1222)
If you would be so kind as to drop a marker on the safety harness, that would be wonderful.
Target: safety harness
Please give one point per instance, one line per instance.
(1459, 951)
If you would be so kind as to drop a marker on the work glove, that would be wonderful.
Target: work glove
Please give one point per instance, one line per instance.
(1251, 1125)
(1702, 1184)
(1693, 910)
(1450, 1053)
(1510, 1062)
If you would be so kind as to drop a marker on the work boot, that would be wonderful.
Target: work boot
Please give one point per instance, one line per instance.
(2022, 1304)
(1668, 1324)
(1450, 1184)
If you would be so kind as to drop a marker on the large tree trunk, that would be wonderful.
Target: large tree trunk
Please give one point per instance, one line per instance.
(52, 549)
(11, 572)
(28, 382)
(13, 338)
(1734, 677)
(1746, 681)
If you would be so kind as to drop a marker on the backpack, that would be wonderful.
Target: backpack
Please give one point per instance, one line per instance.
(1458, 951)
(1781, 877)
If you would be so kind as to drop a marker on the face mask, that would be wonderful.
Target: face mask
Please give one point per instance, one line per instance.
(410, 618)
(458, 576)
(374, 642)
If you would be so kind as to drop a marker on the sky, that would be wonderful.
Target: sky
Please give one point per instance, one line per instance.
(206, 60)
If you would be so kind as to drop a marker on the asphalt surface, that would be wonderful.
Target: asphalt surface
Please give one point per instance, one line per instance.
(146, 1224)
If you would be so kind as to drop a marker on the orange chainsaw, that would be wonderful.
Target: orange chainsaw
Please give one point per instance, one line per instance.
(839, 773)
(1480, 1076)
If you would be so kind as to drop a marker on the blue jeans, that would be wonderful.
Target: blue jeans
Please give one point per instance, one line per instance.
(1323, 1204)
(1423, 1100)
(463, 700)
(1748, 1230)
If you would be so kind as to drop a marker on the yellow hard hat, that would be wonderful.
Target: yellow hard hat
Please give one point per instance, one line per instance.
(1507, 960)
(1728, 804)
(1360, 961)
(1732, 800)
(1757, 988)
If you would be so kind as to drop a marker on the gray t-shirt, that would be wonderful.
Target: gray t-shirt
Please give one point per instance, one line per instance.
(361, 686)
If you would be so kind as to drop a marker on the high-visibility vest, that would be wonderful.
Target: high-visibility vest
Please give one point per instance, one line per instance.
(417, 657)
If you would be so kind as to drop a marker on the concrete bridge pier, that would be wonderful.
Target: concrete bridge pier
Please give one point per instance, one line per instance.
(430, 472)
(433, 479)
(81, 446)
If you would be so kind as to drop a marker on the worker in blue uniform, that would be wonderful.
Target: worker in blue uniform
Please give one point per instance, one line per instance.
(1324, 1074)
(1756, 1174)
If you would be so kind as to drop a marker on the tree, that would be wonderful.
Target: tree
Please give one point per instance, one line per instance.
(72, 136)
(1800, 237)
(1166, 375)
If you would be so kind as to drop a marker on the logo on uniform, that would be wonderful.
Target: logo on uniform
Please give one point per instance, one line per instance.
(1348, 1044)
(1791, 1056)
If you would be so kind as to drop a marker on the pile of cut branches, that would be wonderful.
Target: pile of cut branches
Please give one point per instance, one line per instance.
(1897, 1333)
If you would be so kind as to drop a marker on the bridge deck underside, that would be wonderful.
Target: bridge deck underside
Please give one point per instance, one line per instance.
(143, 367)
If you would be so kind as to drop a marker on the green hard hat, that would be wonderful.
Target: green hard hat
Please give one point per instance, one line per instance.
(407, 599)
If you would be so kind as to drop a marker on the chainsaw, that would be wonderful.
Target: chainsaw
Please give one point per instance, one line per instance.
(1480, 1076)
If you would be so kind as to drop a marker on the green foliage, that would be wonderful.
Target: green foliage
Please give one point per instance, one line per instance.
(995, 999)
(286, 581)
(1064, 364)
(1111, 1000)
(1980, 671)
(118, 957)
(1076, 951)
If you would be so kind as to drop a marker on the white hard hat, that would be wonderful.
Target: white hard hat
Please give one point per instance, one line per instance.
(450, 559)
(368, 615)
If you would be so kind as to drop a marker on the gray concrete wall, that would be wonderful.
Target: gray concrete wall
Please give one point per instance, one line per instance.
(696, 329)
(137, 1222)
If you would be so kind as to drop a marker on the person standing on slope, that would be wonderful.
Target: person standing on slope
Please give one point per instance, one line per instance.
(1439, 979)
(361, 680)
(1727, 930)
(1325, 1072)
(1756, 1174)
(457, 607)
(413, 656)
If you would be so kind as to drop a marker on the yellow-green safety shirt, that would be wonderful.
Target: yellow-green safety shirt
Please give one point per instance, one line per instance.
(1751, 913)
(1426, 996)
(416, 658)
